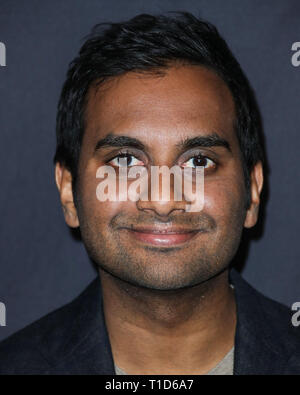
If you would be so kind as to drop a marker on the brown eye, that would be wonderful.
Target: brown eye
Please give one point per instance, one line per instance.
(199, 161)
(128, 160)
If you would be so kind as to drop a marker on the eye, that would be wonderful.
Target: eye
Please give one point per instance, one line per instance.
(130, 160)
(199, 160)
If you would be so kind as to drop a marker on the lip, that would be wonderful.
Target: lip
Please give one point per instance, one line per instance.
(162, 236)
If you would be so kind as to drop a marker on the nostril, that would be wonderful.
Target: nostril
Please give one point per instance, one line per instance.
(161, 210)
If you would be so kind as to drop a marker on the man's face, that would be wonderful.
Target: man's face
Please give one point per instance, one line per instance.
(160, 113)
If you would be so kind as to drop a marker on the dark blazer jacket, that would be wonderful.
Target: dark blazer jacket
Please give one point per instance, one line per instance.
(73, 340)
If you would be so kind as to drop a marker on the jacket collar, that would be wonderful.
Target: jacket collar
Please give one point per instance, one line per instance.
(85, 349)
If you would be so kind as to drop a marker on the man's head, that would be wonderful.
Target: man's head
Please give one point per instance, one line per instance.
(159, 91)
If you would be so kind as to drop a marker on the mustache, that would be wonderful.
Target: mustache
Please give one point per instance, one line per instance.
(203, 221)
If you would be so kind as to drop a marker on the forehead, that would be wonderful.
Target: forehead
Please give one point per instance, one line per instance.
(184, 100)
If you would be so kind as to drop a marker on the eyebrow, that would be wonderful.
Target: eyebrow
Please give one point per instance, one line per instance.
(112, 140)
(212, 140)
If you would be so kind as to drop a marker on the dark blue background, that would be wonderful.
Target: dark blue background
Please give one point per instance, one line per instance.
(42, 266)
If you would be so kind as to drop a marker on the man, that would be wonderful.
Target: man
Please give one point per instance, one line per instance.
(159, 91)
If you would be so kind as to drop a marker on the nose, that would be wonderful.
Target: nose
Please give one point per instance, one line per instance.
(160, 203)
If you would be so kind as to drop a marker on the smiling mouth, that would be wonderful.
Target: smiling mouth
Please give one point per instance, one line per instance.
(162, 237)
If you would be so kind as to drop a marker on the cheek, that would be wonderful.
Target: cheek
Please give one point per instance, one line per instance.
(224, 201)
(93, 212)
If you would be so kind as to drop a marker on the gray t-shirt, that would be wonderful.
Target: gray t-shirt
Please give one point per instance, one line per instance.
(224, 367)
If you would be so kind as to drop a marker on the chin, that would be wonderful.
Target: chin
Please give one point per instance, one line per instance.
(162, 281)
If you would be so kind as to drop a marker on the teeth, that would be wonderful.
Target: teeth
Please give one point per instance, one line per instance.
(159, 232)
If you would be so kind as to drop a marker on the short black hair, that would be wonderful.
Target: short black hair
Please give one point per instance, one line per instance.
(148, 43)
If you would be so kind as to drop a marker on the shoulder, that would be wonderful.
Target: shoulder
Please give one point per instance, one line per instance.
(37, 348)
(281, 328)
(23, 351)
(266, 328)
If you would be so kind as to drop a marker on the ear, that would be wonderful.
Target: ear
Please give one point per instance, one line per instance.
(63, 180)
(257, 180)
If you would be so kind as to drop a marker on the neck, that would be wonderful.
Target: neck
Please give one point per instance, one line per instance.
(186, 331)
